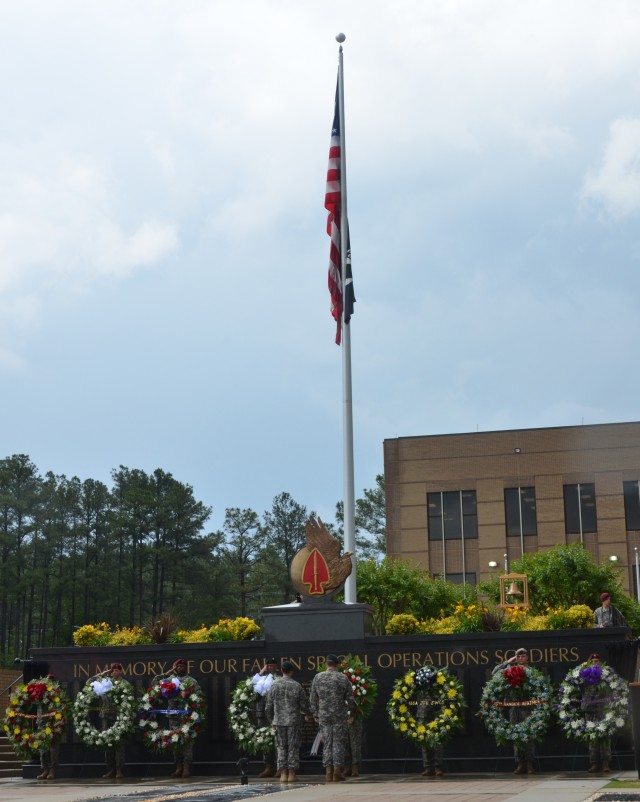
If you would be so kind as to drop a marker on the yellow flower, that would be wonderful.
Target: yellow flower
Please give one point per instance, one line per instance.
(448, 711)
(402, 708)
(48, 730)
(56, 699)
(397, 695)
(422, 729)
(11, 714)
(58, 716)
(25, 737)
(16, 731)
(432, 725)
(452, 693)
(441, 680)
(403, 728)
(408, 679)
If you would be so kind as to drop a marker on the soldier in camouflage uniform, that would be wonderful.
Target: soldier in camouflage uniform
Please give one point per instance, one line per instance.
(523, 752)
(432, 756)
(183, 754)
(285, 705)
(595, 710)
(114, 756)
(354, 746)
(331, 692)
(262, 682)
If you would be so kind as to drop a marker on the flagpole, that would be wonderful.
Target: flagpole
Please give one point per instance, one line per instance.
(350, 592)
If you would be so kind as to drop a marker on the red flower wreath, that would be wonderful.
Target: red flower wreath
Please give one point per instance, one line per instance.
(515, 676)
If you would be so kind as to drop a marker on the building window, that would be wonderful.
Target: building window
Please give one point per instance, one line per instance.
(460, 579)
(452, 515)
(632, 505)
(520, 511)
(580, 509)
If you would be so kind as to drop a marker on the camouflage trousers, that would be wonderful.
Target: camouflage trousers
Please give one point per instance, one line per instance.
(49, 757)
(184, 752)
(335, 738)
(114, 758)
(432, 757)
(600, 751)
(288, 740)
(354, 746)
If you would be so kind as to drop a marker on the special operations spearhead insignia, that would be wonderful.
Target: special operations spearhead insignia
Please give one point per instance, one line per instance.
(319, 571)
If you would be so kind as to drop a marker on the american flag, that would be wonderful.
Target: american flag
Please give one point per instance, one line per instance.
(341, 292)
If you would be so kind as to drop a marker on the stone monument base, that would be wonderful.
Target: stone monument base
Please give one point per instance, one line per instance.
(329, 621)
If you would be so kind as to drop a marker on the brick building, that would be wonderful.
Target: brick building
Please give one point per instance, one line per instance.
(458, 502)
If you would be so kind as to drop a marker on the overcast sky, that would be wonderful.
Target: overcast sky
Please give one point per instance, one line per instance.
(163, 253)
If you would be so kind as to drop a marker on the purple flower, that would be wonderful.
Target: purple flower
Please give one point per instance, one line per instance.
(591, 675)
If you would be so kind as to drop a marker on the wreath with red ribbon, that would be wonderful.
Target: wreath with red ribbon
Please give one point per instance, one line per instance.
(36, 717)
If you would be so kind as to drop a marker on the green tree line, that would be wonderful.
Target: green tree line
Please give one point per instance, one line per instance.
(76, 552)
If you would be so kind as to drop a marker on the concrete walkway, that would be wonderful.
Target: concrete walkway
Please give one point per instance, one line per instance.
(380, 788)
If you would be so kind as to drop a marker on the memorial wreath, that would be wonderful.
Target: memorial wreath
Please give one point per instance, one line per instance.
(249, 736)
(516, 687)
(121, 702)
(36, 716)
(438, 693)
(593, 702)
(364, 686)
(182, 703)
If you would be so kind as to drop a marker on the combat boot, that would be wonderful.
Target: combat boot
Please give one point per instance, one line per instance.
(338, 776)
(605, 767)
(354, 770)
(267, 771)
(178, 771)
(329, 774)
(51, 775)
(531, 769)
(109, 775)
(43, 775)
(186, 770)
(520, 769)
(292, 776)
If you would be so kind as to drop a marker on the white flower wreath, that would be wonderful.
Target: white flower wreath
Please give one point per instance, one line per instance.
(182, 700)
(532, 692)
(241, 716)
(427, 686)
(122, 702)
(610, 693)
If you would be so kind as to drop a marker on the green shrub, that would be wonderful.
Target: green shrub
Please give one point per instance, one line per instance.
(514, 619)
(92, 635)
(579, 616)
(533, 623)
(402, 624)
(441, 626)
(129, 636)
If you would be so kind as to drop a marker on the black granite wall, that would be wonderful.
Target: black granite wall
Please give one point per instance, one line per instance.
(219, 666)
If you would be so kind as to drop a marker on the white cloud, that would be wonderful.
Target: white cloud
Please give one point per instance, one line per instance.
(616, 184)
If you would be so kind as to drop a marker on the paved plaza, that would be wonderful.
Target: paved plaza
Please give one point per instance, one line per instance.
(373, 788)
